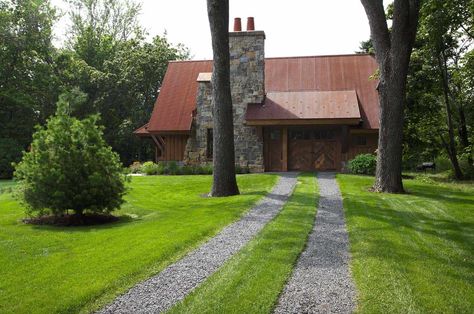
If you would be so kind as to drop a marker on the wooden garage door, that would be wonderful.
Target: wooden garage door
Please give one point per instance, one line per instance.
(308, 152)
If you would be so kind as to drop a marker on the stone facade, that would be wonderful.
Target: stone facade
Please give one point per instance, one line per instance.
(247, 73)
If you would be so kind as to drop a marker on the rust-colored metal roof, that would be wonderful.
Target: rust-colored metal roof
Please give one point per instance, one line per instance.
(142, 131)
(313, 105)
(328, 73)
(177, 100)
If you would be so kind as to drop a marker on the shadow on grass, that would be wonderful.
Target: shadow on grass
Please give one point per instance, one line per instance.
(121, 221)
(407, 235)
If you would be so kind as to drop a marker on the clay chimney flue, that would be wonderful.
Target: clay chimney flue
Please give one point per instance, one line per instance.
(237, 24)
(250, 24)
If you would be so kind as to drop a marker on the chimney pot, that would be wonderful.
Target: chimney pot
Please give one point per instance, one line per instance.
(237, 24)
(250, 24)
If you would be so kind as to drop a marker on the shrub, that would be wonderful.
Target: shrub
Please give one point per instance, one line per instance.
(172, 168)
(150, 168)
(363, 164)
(70, 167)
(188, 170)
(240, 170)
(442, 163)
(135, 167)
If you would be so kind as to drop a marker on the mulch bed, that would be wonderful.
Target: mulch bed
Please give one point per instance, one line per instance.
(72, 220)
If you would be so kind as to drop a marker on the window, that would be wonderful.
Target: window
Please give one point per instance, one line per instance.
(209, 143)
(312, 134)
(275, 135)
(361, 140)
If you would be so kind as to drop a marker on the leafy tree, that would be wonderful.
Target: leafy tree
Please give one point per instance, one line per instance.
(224, 183)
(119, 71)
(28, 85)
(392, 51)
(440, 93)
(70, 167)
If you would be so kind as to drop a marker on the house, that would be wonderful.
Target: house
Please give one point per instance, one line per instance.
(293, 113)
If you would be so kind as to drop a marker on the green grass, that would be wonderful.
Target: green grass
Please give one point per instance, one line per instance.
(48, 269)
(251, 281)
(411, 253)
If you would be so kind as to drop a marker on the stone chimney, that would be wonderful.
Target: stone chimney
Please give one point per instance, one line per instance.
(247, 79)
(247, 62)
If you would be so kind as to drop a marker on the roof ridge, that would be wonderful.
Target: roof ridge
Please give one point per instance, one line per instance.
(290, 57)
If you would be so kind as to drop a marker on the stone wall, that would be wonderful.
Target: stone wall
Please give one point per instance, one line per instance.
(247, 73)
(196, 148)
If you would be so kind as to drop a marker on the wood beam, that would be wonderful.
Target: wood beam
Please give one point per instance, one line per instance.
(158, 144)
(284, 149)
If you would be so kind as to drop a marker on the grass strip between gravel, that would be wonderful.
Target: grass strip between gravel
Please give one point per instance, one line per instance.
(251, 281)
(411, 253)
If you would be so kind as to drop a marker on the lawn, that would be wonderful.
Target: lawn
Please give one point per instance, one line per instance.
(411, 253)
(77, 269)
(251, 281)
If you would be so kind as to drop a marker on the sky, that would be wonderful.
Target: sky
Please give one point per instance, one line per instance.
(292, 28)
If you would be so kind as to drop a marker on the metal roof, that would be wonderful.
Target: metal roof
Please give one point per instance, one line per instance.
(177, 99)
(312, 105)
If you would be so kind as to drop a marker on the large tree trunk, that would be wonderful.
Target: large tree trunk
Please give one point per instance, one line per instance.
(224, 183)
(392, 51)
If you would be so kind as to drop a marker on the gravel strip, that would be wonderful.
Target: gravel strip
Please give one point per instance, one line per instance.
(174, 283)
(321, 281)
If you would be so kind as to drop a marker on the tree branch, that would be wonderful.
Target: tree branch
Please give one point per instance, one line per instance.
(378, 28)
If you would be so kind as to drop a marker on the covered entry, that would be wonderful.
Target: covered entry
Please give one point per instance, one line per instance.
(305, 130)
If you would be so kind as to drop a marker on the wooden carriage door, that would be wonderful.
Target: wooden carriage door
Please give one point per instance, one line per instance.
(273, 149)
(313, 149)
(325, 155)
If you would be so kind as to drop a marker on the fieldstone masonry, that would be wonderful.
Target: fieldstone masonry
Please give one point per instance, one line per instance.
(247, 76)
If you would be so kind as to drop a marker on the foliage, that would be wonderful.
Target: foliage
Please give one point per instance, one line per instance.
(440, 106)
(10, 152)
(149, 168)
(80, 269)
(28, 86)
(135, 167)
(107, 65)
(173, 168)
(70, 167)
(249, 283)
(409, 250)
(363, 164)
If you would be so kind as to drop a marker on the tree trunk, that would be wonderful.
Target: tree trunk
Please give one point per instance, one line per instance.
(388, 175)
(451, 145)
(224, 181)
(392, 51)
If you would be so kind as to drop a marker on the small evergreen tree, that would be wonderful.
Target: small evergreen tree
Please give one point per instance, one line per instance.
(70, 167)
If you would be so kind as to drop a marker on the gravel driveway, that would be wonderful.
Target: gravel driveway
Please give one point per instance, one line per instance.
(162, 291)
(321, 281)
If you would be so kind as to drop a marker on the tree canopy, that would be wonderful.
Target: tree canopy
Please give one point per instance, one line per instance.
(106, 59)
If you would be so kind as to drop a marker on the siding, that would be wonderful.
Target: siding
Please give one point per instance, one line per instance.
(174, 147)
